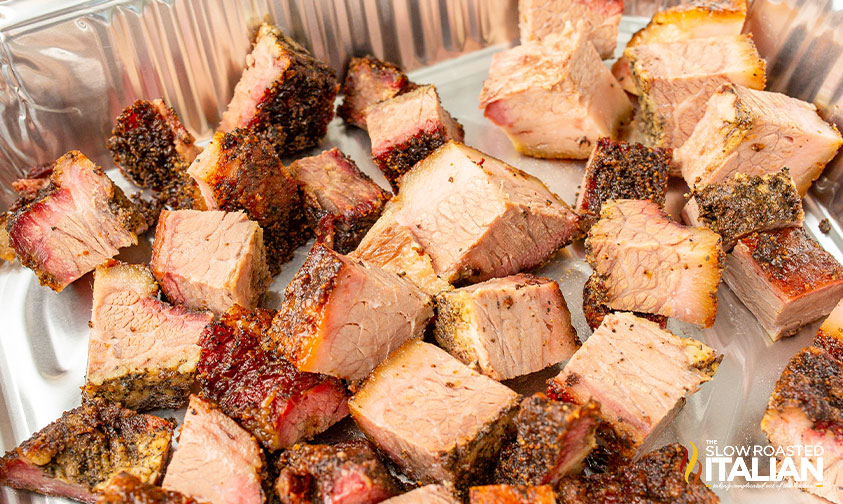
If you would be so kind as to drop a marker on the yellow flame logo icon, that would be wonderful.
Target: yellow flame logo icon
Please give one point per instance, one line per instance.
(692, 461)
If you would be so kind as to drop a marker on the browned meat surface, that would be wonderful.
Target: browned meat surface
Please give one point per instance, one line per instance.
(784, 278)
(7, 253)
(743, 204)
(142, 352)
(342, 317)
(210, 260)
(621, 170)
(553, 440)
(240, 171)
(127, 489)
(428, 494)
(595, 306)
(506, 327)
(337, 193)
(78, 221)
(638, 373)
(284, 94)
(406, 129)
(757, 132)
(437, 419)
(643, 261)
(554, 98)
(369, 81)
(76, 455)
(830, 334)
(512, 494)
(28, 188)
(656, 478)
(345, 473)
(277, 403)
(598, 19)
(216, 460)
(479, 218)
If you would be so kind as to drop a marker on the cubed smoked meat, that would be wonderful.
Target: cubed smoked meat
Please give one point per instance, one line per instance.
(656, 478)
(406, 129)
(369, 81)
(428, 494)
(506, 327)
(638, 373)
(755, 133)
(75, 223)
(479, 218)
(284, 94)
(127, 489)
(830, 334)
(240, 171)
(437, 419)
(553, 440)
(597, 19)
(554, 98)
(76, 455)
(347, 472)
(595, 305)
(337, 193)
(210, 260)
(7, 253)
(342, 316)
(142, 352)
(216, 460)
(278, 404)
(512, 494)
(784, 278)
(621, 170)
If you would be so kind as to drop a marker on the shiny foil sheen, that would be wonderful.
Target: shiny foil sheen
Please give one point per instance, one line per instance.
(68, 68)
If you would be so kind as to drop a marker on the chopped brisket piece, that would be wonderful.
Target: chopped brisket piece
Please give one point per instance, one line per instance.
(743, 204)
(479, 218)
(7, 253)
(369, 81)
(142, 352)
(620, 170)
(285, 94)
(597, 19)
(216, 460)
(595, 305)
(406, 129)
(553, 440)
(277, 403)
(655, 478)
(638, 373)
(645, 262)
(240, 171)
(506, 327)
(342, 316)
(78, 221)
(554, 98)
(334, 188)
(127, 489)
(512, 494)
(754, 133)
(437, 419)
(210, 260)
(784, 278)
(345, 473)
(76, 455)
(28, 188)
(428, 494)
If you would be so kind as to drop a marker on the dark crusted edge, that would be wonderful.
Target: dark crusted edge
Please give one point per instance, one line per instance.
(143, 391)
(401, 157)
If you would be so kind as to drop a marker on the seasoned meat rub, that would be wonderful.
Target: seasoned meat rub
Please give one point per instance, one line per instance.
(512, 494)
(428, 494)
(830, 334)
(127, 489)
(595, 305)
(7, 253)
(597, 19)
(369, 81)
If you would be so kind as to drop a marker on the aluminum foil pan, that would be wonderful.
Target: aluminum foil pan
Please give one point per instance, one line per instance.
(69, 68)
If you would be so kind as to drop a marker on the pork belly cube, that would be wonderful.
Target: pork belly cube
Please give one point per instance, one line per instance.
(595, 305)
(369, 81)
(77, 455)
(655, 478)
(506, 327)
(337, 194)
(479, 218)
(428, 494)
(676, 80)
(512, 494)
(553, 440)
(142, 352)
(216, 460)
(349, 471)
(743, 204)
(639, 374)
(433, 416)
(755, 133)
(645, 262)
(342, 316)
(555, 98)
(597, 19)
(75, 223)
(240, 171)
(785, 279)
(210, 260)
(621, 170)
(127, 489)
(278, 404)
(830, 334)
